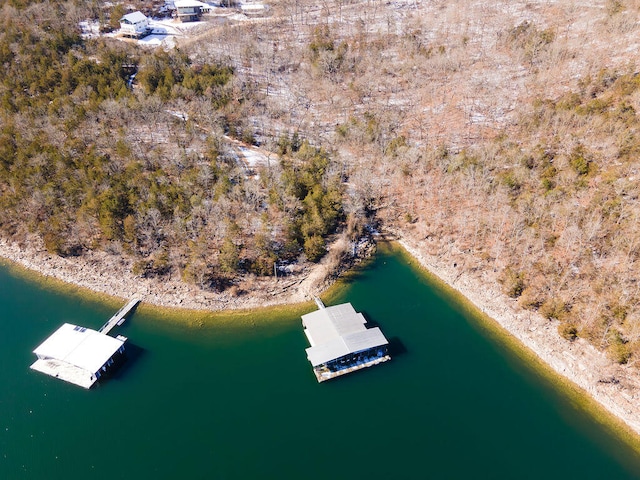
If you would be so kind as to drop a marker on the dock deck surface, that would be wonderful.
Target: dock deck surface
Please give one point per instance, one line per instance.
(120, 316)
(65, 371)
(328, 375)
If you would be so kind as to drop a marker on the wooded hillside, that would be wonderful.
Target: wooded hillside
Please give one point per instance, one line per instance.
(88, 162)
(504, 133)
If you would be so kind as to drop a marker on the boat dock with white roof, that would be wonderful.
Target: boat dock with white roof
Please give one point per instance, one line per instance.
(80, 355)
(340, 341)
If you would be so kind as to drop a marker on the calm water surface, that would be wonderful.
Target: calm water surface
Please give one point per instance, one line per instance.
(241, 402)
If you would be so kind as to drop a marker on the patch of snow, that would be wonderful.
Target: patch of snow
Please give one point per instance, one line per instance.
(153, 40)
(181, 115)
(89, 29)
(478, 118)
(238, 17)
(166, 27)
(170, 42)
(180, 26)
(253, 158)
(251, 8)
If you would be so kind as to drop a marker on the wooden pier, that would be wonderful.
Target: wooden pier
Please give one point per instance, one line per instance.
(319, 303)
(120, 316)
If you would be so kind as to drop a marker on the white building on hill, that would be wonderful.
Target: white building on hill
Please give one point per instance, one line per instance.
(190, 10)
(134, 24)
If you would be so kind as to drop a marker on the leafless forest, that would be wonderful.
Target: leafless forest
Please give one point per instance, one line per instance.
(505, 133)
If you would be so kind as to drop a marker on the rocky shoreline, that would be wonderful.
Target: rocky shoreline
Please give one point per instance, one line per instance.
(112, 275)
(615, 387)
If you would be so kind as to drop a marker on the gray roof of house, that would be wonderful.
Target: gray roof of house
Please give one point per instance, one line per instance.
(328, 323)
(340, 346)
(337, 331)
(133, 18)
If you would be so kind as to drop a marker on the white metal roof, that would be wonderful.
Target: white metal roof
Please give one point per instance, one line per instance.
(190, 3)
(336, 331)
(79, 346)
(340, 346)
(359, 341)
(134, 17)
(331, 322)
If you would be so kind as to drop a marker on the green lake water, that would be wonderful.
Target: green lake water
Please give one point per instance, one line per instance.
(228, 401)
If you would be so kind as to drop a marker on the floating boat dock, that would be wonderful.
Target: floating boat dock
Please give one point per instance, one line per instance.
(340, 341)
(80, 355)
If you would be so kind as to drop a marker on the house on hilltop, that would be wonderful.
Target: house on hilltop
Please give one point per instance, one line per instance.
(134, 24)
(190, 10)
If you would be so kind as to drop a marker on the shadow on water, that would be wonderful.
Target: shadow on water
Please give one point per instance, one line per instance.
(131, 312)
(128, 361)
(396, 347)
(370, 322)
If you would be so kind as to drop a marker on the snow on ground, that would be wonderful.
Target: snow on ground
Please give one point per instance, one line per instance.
(153, 40)
(238, 17)
(248, 158)
(174, 27)
(167, 26)
(251, 8)
(253, 157)
(166, 30)
(90, 29)
(181, 115)
(163, 32)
